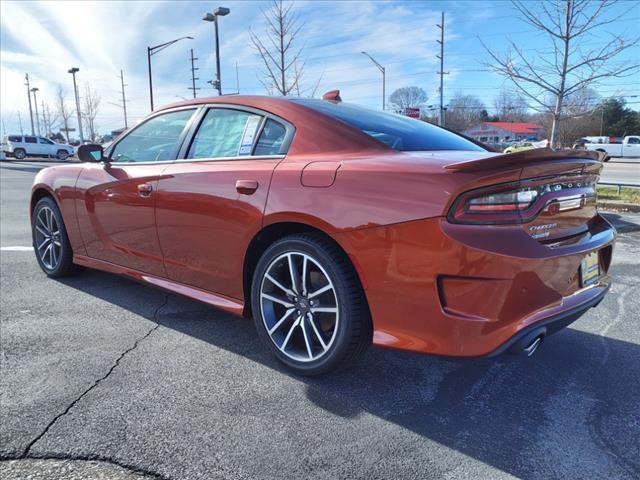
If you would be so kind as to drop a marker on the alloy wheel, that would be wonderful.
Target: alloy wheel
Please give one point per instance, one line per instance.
(48, 239)
(299, 306)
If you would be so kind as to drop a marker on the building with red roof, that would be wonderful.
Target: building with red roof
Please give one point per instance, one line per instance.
(497, 132)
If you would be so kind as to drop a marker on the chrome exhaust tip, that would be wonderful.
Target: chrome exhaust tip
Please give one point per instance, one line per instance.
(530, 349)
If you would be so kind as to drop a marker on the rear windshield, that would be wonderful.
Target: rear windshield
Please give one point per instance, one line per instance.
(396, 131)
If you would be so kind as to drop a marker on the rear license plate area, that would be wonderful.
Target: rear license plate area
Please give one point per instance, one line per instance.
(589, 269)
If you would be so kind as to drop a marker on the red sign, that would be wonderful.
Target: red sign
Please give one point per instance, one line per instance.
(412, 112)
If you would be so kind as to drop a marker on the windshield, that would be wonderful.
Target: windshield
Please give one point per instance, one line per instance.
(396, 131)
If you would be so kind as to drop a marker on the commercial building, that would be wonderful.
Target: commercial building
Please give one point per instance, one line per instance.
(497, 132)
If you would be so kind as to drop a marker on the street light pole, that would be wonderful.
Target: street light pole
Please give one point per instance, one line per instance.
(213, 17)
(382, 69)
(152, 51)
(35, 102)
(73, 72)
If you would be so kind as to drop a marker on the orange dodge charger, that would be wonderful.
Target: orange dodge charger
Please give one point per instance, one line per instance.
(335, 227)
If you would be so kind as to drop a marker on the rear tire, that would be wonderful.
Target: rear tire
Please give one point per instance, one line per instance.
(50, 242)
(19, 153)
(311, 325)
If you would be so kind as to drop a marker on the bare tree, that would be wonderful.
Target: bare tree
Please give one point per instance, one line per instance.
(63, 112)
(50, 119)
(281, 57)
(550, 77)
(464, 112)
(408, 97)
(90, 107)
(510, 106)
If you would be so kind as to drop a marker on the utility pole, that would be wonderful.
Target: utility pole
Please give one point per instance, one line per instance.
(45, 120)
(26, 76)
(35, 104)
(124, 100)
(193, 75)
(441, 72)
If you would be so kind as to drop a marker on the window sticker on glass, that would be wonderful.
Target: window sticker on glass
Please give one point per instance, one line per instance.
(250, 130)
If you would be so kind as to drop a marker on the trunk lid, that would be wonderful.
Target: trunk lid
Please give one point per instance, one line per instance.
(554, 199)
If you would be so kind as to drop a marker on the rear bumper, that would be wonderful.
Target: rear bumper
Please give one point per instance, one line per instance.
(470, 291)
(550, 325)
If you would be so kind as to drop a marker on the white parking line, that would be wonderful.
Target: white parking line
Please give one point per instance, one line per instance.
(17, 249)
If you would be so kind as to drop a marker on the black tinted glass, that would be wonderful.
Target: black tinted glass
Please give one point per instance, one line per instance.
(396, 131)
(13, 138)
(30, 140)
(271, 139)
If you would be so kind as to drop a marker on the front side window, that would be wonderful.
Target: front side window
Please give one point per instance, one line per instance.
(633, 140)
(271, 139)
(225, 133)
(154, 140)
(396, 131)
(30, 140)
(44, 141)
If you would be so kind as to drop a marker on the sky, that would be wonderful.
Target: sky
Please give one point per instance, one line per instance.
(46, 38)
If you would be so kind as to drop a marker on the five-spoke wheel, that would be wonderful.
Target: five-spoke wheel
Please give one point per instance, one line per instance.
(47, 236)
(50, 241)
(299, 306)
(308, 304)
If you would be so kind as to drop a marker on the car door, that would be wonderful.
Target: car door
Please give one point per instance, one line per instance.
(46, 147)
(31, 146)
(116, 199)
(210, 204)
(632, 147)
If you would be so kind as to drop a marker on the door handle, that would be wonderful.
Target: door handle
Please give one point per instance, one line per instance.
(246, 187)
(145, 189)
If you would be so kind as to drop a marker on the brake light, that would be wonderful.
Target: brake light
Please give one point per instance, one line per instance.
(503, 202)
(520, 202)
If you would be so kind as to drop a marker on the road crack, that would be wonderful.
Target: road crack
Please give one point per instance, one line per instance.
(154, 319)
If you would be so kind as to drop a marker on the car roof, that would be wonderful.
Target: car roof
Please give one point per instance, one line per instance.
(315, 131)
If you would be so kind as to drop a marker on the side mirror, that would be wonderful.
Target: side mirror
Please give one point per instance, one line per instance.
(90, 153)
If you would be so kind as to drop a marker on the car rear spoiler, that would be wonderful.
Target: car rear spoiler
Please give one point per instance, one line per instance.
(522, 158)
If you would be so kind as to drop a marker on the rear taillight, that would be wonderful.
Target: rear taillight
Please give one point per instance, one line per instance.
(520, 202)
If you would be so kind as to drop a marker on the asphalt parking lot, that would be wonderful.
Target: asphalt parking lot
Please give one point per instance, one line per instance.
(144, 383)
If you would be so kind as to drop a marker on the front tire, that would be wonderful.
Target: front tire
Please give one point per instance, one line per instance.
(62, 155)
(308, 305)
(50, 241)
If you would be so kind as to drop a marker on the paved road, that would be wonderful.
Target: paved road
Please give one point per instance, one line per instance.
(97, 367)
(622, 170)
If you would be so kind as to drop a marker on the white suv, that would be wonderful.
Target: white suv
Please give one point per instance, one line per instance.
(21, 146)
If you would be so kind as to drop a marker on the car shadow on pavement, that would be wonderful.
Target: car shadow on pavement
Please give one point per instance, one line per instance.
(580, 390)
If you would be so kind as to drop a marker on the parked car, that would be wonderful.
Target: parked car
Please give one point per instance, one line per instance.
(630, 147)
(335, 227)
(519, 146)
(22, 146)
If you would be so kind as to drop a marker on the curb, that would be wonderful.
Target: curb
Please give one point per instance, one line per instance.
(619, 206)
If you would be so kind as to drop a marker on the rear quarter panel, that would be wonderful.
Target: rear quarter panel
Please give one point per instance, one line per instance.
(372, 189)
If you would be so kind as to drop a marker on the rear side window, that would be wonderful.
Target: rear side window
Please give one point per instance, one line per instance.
(225, 133)
(271, 139)
(396, 131)
(154, 140)
(14, 138)
(30, 140)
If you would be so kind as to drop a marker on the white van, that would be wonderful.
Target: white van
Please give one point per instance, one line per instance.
(21, 146)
